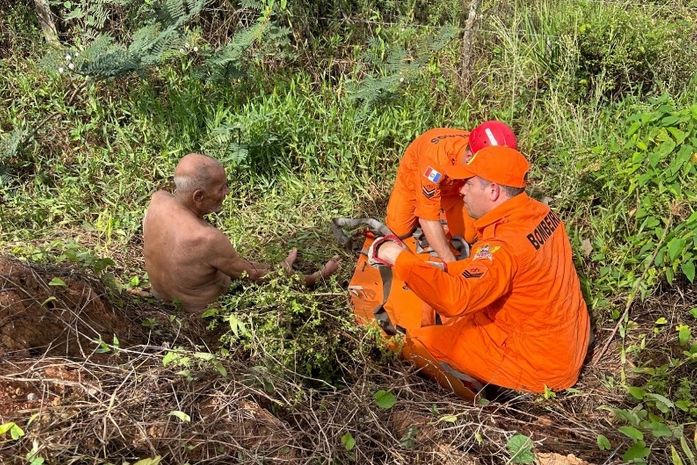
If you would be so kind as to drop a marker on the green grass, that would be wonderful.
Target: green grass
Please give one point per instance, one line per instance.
(570, 76)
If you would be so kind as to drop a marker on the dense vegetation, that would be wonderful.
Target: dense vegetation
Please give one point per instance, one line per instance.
(310, 105)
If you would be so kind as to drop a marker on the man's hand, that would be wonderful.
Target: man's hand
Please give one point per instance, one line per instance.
(287, 263)
(385, 250)
(436, 239)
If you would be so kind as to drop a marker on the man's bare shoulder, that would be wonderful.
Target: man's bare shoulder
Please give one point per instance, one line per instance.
(161, 196)
(214, 237)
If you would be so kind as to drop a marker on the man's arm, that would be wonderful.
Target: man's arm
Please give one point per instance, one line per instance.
(436, 238)
(224, 258)
(428, 205)
(467, 286)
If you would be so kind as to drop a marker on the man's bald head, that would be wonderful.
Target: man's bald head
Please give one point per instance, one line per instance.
(195, 172)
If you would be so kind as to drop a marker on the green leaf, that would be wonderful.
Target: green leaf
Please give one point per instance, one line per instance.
(637, 451)
(548, 393)
(385, 399)
(665, 148)
(683, 405)
(693, 312)
(348, 441)
(636, 392)
(520, 448)
(448, 418)
(628, 416)
(169, 358)
(186, 374)
(204, 356)
(634, 127)
(210, 312)
(670, 120)
(631, 432)
(662, 403)
(670, 275)
(237, 326)
(662, 321)
(56, 282)
(684, 334)
(103, 347)
(675, 246)
(686, 449)
(678, 135)
(660, 430)
(220, 368)
(688, 269)
(15, 431)
(675, 456)
(603, 442)
(181, 415)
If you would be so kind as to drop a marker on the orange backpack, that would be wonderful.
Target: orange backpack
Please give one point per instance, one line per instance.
(377, 296)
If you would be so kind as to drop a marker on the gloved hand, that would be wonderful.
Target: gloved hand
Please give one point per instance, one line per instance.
(373, 259)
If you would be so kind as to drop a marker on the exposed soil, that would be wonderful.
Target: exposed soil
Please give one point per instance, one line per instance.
(68, 317)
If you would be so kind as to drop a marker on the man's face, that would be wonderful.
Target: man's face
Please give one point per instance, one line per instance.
(475, 194)
(216, 192)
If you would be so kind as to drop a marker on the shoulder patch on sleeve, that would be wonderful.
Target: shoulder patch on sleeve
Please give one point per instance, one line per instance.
(428, 191)
(474, 272)
(485, 252)
(433, 175)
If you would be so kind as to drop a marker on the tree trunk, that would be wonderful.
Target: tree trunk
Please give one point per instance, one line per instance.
(466, 59)
(43, 12)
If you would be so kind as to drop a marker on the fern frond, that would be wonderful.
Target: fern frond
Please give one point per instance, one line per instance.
(233, 51)
(175, 10)
(256, 5)
(11, 143)
(223, 143)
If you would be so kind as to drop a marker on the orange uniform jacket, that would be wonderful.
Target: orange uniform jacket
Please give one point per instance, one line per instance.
(517, 316)
(421, 188)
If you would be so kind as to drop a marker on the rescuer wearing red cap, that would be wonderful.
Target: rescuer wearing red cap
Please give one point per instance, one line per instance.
(515, 313)
(422, 188)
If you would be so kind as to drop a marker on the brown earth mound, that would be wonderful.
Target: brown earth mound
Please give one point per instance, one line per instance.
(57, 312)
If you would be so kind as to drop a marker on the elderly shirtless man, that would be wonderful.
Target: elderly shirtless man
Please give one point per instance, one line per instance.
(189, 260)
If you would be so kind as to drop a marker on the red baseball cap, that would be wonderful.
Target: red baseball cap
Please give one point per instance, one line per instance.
(492, 133)
(499, 164)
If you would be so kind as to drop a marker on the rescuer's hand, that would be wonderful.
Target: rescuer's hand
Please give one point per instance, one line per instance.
(384, 250)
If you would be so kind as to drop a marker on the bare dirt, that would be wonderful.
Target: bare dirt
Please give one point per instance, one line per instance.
(59, 313)
(53, 312)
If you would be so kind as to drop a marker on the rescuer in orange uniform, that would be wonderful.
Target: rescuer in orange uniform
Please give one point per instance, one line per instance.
(515, 313)
(422, 189)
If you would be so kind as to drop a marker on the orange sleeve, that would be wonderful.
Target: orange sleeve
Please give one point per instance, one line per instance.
(468, 286)
(428, 177)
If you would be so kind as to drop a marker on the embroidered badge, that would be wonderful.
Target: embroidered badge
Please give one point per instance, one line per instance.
(428, 193)
(473, 272)
(433, 175)
(485, 252)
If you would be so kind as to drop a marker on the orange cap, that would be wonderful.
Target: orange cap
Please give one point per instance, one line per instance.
(496, 163)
